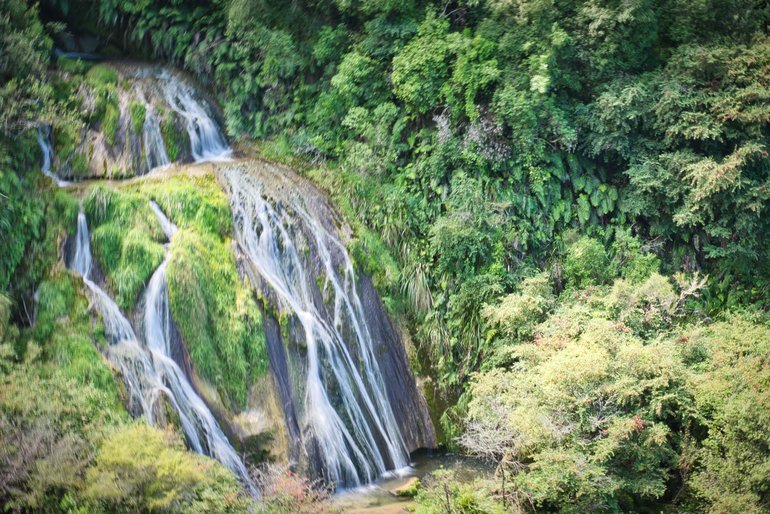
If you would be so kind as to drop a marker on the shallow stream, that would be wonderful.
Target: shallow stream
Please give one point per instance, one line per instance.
(379, 497)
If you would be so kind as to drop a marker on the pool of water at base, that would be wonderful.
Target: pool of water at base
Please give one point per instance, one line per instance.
(379, 498)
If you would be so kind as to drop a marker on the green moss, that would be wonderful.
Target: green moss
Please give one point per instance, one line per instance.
(193, 202)
(105, 244)
(102, 82)
(409, 490)
(79, 165)
(100, 75)
(138, 113)
(126, 240)
(111, 122)
(170, 135)
(76, 66)
(140, 257)
(216, 315)
(65, 329)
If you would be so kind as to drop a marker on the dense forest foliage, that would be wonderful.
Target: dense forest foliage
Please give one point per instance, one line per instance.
(563, 202)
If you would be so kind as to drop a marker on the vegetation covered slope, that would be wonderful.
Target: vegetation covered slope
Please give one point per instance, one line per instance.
(563, 201)
(216, 315)
(67, 442)
(470, 135)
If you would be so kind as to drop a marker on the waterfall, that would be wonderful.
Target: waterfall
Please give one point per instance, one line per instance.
(169, 229)
(346, 414)
(154, 148)
(173, 108)
(149, 372)
(44, 140)
(206, 140)
(81, 261)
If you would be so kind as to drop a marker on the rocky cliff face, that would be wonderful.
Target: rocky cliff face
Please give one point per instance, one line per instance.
(351, 405)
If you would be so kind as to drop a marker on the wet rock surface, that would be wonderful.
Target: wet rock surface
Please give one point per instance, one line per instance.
(334, 353)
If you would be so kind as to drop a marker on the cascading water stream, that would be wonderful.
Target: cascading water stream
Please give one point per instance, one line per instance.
(157, 325)
(169, 229)
(171, 107)
(346, 411)
(44, 140)
(154, 148)
(149, 372)
(206, 140)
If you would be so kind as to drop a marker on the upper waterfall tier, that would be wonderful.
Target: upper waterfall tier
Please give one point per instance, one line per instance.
(340, 365)
(137, 118)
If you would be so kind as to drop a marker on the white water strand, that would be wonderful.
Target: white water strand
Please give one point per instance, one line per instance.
(44, 140)
(347, 436)
(150, 374)
(206, 140)
(155, 149)
(169, 229)
(81, 261)
(199, 423)
(125, 351)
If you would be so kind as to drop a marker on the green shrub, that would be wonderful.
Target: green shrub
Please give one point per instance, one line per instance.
(58, 398)
(65, 137)
(50, 424)
(646, 308)
(516, 314)
(443, 492)
(55, 299)
(420, 69)
(5, 315)
(629, 260)
(586, 263)
(71, 65)
(591, 409)
(731, 390)
(33, 218)
(143, 469)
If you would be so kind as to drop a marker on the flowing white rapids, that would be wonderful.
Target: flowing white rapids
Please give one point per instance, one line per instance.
(346, 410)
(206, 140)
(150, 374)
(171, 103)
(81, 261)
(44, 140)
(169, 229)
(155, 149)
